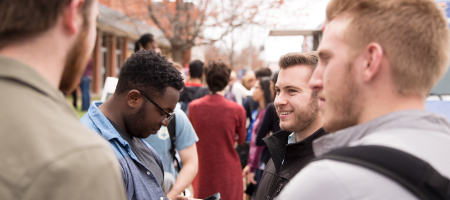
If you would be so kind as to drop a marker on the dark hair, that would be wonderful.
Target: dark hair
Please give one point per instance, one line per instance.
(196, 69)
(149, 72)
(309, 59)
(264, 83)
(22, 19)
(274, 78)
(217, 75)
(143, 41)
(263, 72)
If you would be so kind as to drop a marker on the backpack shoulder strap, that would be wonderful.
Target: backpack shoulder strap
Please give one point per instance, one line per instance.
(171, 127)
(416, 175)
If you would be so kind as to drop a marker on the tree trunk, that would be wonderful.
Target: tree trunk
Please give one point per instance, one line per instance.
(177, 55)
(232, 50)
(231, 57)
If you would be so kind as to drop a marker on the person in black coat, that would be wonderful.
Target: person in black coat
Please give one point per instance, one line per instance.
(300, 121)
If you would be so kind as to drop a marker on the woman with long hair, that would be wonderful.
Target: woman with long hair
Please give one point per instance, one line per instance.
(263, 95)
(269, 125)
(218, 124)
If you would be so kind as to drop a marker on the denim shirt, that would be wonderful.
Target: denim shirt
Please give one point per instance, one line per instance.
(139, 181)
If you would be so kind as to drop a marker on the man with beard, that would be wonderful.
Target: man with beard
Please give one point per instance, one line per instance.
(379, 59)
(300, 123)
(145, 98)
(46, 153)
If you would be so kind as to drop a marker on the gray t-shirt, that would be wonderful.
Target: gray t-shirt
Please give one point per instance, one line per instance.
(142, 153)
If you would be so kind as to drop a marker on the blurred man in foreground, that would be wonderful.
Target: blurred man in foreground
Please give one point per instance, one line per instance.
(379, 59)
(46, 153)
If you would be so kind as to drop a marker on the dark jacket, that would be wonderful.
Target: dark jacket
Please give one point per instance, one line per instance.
(270, 123)
(278, 173)
(191, 93)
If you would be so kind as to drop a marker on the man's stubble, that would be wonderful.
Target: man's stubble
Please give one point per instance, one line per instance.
(305, 117)
(345, 107)
(76, 62)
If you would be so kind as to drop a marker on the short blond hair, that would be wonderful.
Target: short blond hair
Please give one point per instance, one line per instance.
(414, 36)
(309, 59)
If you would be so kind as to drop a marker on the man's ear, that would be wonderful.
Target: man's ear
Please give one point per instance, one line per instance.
(72, 17)
(134, 99)
(373, 55)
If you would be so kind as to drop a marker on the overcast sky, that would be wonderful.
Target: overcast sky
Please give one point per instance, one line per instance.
(275, 46)
(293, 15)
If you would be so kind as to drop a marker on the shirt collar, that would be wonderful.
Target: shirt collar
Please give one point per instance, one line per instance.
(187, 84)
(17, 71)
(292, 138)
(413, 119)
(106, 129)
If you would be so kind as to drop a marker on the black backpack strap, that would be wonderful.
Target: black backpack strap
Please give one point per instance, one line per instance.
(171, 127)
(416, 175)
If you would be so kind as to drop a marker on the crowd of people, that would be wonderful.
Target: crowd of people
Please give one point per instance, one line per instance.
(347, 121)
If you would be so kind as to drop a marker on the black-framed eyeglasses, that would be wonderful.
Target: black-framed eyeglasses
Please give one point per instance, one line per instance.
(169, 115)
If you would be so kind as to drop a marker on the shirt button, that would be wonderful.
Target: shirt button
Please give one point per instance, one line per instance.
(162, 198)
(148, 173)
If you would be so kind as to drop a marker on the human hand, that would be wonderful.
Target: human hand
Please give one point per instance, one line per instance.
(180, 197)
(245, 171)
(249, 176)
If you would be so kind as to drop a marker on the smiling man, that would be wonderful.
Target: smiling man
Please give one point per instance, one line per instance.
(300, 122)
(379, 59)
(146, 95)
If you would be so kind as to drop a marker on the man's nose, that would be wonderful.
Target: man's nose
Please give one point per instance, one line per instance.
(316, 81)
(280, 100)
(165, 122)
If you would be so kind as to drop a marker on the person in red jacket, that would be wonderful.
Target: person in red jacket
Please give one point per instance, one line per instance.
(218, 124)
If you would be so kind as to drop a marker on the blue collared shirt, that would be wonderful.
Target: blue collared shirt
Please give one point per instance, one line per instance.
(185, 137)
(139, 181)
(292, 138)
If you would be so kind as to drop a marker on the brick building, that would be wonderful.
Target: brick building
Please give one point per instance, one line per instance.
(119, 25)
(116, 34)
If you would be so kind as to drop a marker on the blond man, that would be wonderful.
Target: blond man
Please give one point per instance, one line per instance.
(379, 59)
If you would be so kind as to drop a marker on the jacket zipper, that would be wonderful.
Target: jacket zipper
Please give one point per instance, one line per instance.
(278, 191)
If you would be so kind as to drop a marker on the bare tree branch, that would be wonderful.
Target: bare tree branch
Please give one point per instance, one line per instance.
(157, 22)
(183, 22)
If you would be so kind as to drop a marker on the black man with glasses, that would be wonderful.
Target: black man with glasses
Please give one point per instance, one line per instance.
(145, 98)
